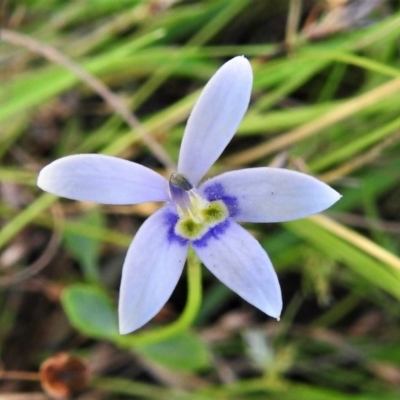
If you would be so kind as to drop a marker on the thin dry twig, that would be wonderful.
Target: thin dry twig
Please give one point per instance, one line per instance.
(293, 21)
(341, 16)
(102, 90)
(19, 375)
(358, 240)
(360, 221)
(23, 396)
(359, 161)
(45, 258)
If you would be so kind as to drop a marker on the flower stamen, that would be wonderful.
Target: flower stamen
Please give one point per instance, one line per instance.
(196, 214)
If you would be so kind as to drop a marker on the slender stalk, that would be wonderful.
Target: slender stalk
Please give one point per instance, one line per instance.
(185, 320)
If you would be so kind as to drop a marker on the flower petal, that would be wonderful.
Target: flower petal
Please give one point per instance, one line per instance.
(151, 270)
(102, 179)
(270, 194)
(215, 118)
(238, 260)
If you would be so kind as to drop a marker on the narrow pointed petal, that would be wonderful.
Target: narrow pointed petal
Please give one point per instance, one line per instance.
(270, 194)
(215, 118)
(238, 260)
(151, 270)
(102, 179)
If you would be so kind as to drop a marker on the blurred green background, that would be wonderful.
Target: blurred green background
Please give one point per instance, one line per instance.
(325, 101)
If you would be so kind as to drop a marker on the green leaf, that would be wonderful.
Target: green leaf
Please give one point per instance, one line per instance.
(182, 352)
(90, 311)
(86, 249)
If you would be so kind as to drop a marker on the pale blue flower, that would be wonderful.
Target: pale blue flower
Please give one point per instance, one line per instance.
(202, 215)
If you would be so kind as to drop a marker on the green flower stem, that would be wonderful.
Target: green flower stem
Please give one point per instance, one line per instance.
(185, 320)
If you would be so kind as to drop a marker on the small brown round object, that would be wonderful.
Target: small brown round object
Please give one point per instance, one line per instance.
(62, 374)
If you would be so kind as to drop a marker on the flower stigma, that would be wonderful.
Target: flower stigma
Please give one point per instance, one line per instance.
(197, 215)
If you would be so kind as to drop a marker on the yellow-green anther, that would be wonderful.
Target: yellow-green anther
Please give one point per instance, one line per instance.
(194, 227)
(216, 212)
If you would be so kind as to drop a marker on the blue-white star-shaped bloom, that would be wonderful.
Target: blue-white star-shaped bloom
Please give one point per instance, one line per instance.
(202, 215)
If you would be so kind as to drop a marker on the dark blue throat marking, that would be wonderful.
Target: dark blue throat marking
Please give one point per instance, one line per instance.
(217, 192)
(171, 219)
(215, 232)
(213, 192)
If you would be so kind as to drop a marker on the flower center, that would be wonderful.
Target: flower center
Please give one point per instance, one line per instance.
(196, 214)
